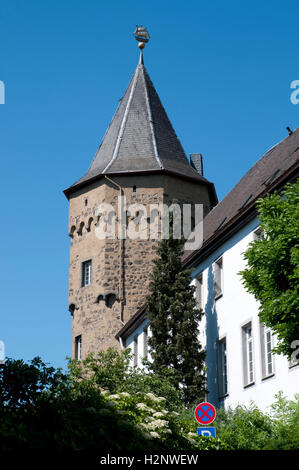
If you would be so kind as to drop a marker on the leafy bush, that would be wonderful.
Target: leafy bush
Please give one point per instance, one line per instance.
(41, 408)
(245, 428)
(147, 400)
(248, 428)
(285, 419)
(251, 429)
(148, 412)
(111, 371)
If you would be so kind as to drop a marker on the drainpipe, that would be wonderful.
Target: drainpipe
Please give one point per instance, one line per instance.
(121, 287)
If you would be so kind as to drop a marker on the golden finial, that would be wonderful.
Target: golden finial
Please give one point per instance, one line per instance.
(141, 34)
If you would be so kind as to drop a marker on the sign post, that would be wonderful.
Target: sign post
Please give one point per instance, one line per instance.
(205, 413)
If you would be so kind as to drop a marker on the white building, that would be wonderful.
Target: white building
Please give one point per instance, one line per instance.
(240, 365)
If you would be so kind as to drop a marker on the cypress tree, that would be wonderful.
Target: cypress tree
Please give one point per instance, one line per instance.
(174, 317)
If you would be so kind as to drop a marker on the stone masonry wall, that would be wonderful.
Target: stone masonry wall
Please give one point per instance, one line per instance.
(119, 268)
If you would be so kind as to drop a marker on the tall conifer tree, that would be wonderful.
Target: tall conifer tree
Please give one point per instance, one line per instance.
(174, 317)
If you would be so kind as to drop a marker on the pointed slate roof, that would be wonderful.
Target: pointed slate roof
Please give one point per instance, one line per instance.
(140, 137)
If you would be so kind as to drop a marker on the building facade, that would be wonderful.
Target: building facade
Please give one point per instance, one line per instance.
(239, 358)
(240, 364)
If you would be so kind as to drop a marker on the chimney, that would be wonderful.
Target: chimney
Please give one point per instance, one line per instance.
(196, 162)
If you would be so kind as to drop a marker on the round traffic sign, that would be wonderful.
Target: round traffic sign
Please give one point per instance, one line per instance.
(205, 413)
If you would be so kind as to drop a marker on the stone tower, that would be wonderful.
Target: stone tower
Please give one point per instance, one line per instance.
(141, 159)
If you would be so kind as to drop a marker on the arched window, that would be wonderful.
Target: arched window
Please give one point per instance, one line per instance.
(72, 308)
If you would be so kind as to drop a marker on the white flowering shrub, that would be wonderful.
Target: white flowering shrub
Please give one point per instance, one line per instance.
(147, 401)
(150, 415)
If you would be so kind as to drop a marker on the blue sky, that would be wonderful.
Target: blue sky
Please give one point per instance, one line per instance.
(222, 70)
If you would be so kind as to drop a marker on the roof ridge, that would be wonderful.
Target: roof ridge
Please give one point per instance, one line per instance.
(258, 162)
(124, 120)
(241, 199)
(149, 112)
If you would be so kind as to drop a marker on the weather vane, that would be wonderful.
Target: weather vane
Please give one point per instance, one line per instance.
(141, 34)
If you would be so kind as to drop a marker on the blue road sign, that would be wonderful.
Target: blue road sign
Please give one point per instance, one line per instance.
(209, 432)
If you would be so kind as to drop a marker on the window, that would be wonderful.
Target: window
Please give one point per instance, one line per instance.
(135, 351)
(247, 346)
(145, 343)
(294, 359)
(199, 291)
(78, 347)
(222, 368)
(258, 234)
(218, 278)
(86, 273)
(266, 351)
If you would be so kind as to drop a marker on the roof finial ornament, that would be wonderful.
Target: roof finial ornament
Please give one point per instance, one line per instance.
(141, 34)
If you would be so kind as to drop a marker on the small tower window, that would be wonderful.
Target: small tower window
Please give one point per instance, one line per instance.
(134, 189)
(86, 201)
(72, 309)
(78, 347)
(86, 273)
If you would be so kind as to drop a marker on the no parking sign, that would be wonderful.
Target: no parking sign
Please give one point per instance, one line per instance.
(205, 414)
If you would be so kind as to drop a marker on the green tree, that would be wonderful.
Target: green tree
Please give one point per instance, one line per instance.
(25, 384)
(273, 266)
(171, 309)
